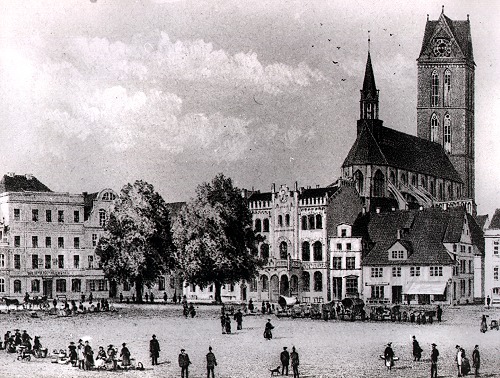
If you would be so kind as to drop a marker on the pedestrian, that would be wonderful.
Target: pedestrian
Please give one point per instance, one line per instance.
(121, 297)
(81, 355)
(459, 359)
(434, 361)
(73, 356)
(165, 297)
(228, 324)
(192, 311)
(263, 308)
(211, 362)
(238, 316)
(250, 305)
(152, 297)
(89, 356)
(54, 302)
(285, 361)
(294, 356)
(389, 356)
(417, 351)
(184, 363)
(112, 356)
(439, 312)
(476, 360)
(125, 355)
(488, 301)
(268, 334)
(147, 297)
(223, 323)
(484, 325)
(154, 350)
(91, 298)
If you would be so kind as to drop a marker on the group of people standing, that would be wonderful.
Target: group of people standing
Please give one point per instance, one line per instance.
(14, 339)
(225, 321)
(286, 358)
(82, 356)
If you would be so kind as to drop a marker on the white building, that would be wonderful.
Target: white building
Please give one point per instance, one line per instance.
(492, 260)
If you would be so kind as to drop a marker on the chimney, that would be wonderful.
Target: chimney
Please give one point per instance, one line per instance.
(11, 174)
(377, 210)
(273, 188)
(317, 186)
(393, 209)
(363, 211)
(421, 208)
(244, 193)
(398, 234)
(296, 185)
(29, 176)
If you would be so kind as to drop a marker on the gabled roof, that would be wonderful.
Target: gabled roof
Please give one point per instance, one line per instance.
(258, 196)
(405, 243)
(495, 221)
(396, 149)
(317, 192)
(460, 31)
(476, 233)
(22, 183)
(481, 220)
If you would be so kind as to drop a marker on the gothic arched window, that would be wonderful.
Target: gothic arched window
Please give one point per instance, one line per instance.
(283, 251)
(318, 251)
(319, 221)
(434, 128)
(447, 133)
(378, 184)
(287, 220)
(306, 281)
(392, 177)
(447, 87)
(435, 89)
(318, 281)
(280, 220)
(450, 191)
(358, 178)
(264, 252)
(306, 252)
(311, 222)
(304, 222)
(404, 179)
(266, 225)
(258, 225)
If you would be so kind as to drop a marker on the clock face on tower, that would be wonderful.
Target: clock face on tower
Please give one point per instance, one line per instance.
(441, 47)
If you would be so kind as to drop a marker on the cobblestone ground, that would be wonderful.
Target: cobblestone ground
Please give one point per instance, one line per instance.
(327, 349)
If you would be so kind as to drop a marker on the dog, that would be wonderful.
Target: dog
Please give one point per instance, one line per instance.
(277, 371)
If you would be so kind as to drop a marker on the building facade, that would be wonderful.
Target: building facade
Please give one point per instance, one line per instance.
(492, 260)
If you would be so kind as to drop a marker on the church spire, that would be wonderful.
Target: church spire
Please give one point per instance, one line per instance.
(369, 93)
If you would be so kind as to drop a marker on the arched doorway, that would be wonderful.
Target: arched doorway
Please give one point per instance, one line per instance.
(294, 285)
(284, 286)
(274, 286)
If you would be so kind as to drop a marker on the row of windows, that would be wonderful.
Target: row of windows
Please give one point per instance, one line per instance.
(306, 251)
(312, 222)
(434, 131)
(348, 246)
(262, 225)
(496, 245)
(434, 271)
(463, 249)
(76, 285)
(48, 262)
(306, 282)
(48, 241)
(435, 88)
(308, 222)
(350, 263)
(60, 216)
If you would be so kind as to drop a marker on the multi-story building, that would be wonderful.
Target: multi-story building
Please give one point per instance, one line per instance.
(492, 260)
(48, 240)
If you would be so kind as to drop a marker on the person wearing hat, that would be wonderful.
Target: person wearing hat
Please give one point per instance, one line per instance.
(73, 356)
(434, 361)
(417, 351)
(112, 356)
(268, 334)
(89, 356)
(100, 359)
(389, 356)
(476, 360)
(154, 350)
(125, 355)
(81, 354)
(285, 361)
(184, 363)
(294, 356)
(211, 362)
(459, 359)
(26, 339)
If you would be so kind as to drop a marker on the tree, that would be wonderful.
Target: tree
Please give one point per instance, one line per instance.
(137, 246)
(214, 237)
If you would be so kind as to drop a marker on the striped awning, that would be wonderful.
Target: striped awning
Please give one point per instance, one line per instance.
(426, 287)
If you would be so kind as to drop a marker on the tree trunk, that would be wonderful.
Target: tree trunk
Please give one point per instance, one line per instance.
(218, 298)
(138, 290)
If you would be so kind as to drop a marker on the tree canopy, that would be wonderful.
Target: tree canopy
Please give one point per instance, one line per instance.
(214, 237)
(137, 246)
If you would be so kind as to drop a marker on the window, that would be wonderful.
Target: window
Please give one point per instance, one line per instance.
(91, 284)
(434, 128)
(306, 281)
(76, 285)
(76, 261)
(397, 255)
(283, 251)
(17, 261)
(2, 260)
(94, 240)
(470, 266)
(377, 292)
(378, 184)
(34, 215)
(48, 262)
(35, 286)
(126, 286)
(266, 225)
(348, 246)
(318, 251)
(462, 288)
(339, 246)
(319, 221)
(337, 263)
(311, 222)
(34, 241)
(17, 214)
(17, 286)
(392, 177)
(306, 252)
(280, 220)
(436, 271)
(377, 272)
(351, 285)
(91, 262)
(447, 133)
(434, 89)
(60, 261)
(102, 217)
(17, 241)
(60, 242)
(265, 283)
(60, 216)
(414, 180)
(2, 285)
(318, 281)
(34, 261)
(350, 262)
(343, 233)
(396, 271)
(253, 285)
(450, 191)
(358, 178)
(495, 273)
(433, 188)
(423, 182)
(108, 196)
(414, 271)
(404, 179)
(161, 283)
(76, 216)
(48, 215)
(447, 87)
(258, 225)
(76, 243)
(496, 244)
(287, 220)
(264, 251)
(61, 285)
(304, 222)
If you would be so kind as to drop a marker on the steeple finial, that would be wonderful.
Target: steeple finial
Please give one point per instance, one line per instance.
(442, 8)
(368, 41)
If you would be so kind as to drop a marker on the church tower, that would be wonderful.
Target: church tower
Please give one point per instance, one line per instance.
(445, 102)
(368, 103)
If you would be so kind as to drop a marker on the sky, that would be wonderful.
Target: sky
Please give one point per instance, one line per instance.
(95, 94)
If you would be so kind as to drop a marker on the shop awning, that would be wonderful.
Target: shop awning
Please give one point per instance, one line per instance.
(427, 287)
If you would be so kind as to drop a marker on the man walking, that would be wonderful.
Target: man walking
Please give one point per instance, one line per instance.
(285, 361)
(238, 316)
(417, 351)
(211, 362)
(458, 359)
(184, 363)
(389, 356)
(476, 360)
(154, 350)
(434, 361)
(439, 312)
(294, 356)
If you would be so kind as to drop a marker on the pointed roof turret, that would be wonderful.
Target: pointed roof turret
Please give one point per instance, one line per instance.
(369, 86)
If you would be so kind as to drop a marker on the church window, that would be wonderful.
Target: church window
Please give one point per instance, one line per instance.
(266, 225)
(306, 281)
(414, 180)
(304, 222)
(447, 133)
(319, 221)
(433, 188)
(435, 89)
(447, 87)
(440, 191)
(306, 252)
(423, 182)
(378, 184)
(318, 251)
(280, 220)
(358, 178)
(258, 225)
(404, 179)
(450, 191)
(434, 128)
(392, 177)
(287, 220)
